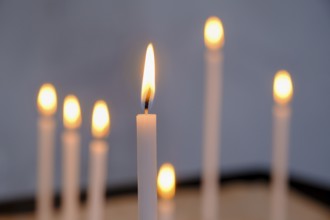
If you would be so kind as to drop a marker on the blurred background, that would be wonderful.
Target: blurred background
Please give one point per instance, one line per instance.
(96, 50)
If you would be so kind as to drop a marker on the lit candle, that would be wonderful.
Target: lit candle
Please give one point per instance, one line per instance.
(71, 153)
(98, 161)
(47, 105)
(166, 191)
(283, 91)
(214, 41)
(147, 144)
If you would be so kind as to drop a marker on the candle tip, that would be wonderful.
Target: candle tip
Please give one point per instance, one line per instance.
(47, 99)
(100, 120)
(166, 181)
(71, 112)
(213, 33)
(148, 82)
(282, 88)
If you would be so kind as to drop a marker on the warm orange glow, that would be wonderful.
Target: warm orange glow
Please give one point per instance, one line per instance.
(166, 181)
(283, 88)
(100, 120)
(71, 112)
(148, 82)
(47, 100)
(214, 36)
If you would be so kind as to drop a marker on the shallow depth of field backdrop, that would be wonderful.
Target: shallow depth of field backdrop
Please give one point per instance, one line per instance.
(95, 49)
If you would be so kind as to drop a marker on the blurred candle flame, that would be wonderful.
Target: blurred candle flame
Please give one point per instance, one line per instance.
(214, 33)
(282, 88)
(71, 112)
(100, 120)
(148, 82)
(166, 181)
(47, 100)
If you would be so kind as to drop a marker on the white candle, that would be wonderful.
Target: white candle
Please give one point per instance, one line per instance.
(214, 40)
(47, 105)
(210, 200)
(147, 144)
(71, 155)
(98, 161)
(283, 91)
(166, 191)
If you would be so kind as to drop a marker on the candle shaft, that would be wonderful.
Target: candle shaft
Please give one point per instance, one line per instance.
(71, 152)
(97, 187)
(212, 113)
(46, 141)
(166, 209)
(281, 123)
(210, 200)
(147, 166)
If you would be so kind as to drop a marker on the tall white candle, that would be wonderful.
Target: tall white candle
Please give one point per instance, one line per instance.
(47, 105)
(147, 144)
(283, 91)
(214, 40)
(98, 161)
(71, 155)
(166, 191)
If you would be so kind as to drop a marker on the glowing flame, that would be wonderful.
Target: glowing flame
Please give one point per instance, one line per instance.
(148, 83)
(213, 33)
(71, 112)
(47, 99)
(100, 119)
(283, 88)
(166, 181)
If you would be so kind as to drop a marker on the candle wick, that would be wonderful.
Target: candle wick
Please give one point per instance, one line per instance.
(146, 104)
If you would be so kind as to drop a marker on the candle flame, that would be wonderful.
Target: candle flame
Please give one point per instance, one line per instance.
(213, 33)
(100, 120)
(148, 82)
(283, 88)
(166, 181)
(47, 100)
(71, 112)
